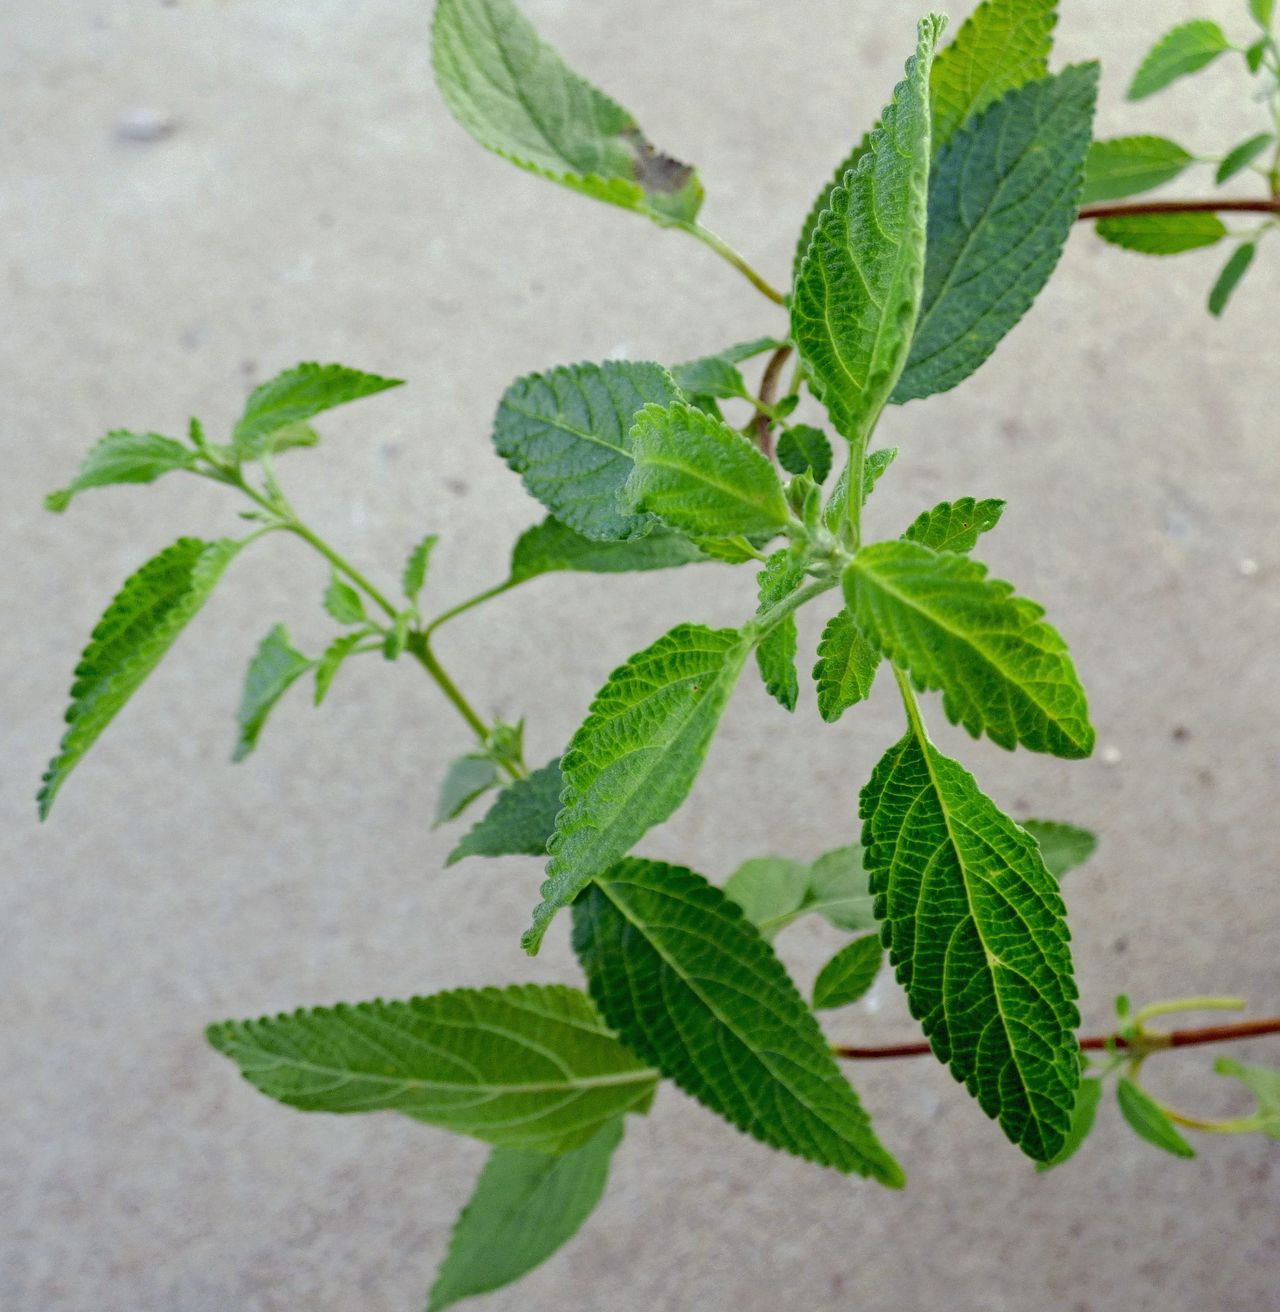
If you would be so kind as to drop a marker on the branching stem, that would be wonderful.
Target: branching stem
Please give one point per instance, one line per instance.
(726, 252)
(1128, 208)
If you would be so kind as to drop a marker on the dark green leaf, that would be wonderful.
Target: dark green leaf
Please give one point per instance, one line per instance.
(343, 602)
(1062, 847)
(1083, 1114)
(1255, 56)
(692, 987)
(1185, 49)
(124, 457)
(415, 568)
(525, 1206)
(1148, 1121)
(1162, 234)
(331, 662)
(805, 448)
(955, 525)
(1003, 199)
(1127, 166)
(776, 651)
(846, 667)
(521, 819)
(1234, 269)
(272, 672)
(518, 98)
(717, 375)
(1243, 155)
(849, 974)
(465, 780)
(552, 546)
(142, 622)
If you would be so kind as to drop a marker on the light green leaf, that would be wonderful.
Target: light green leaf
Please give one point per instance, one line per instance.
(1263, 12)
(823, 200)
(775, 891)
(872, 470)
(1003, 198)
(849, 974)
(343, 602)
(1083, 1114)
(530, 1066)
(717, 375)
(525, 1206)
(142, 622)
(296, 395)
(1062, 847)
(1127, 166)
(273, 671)
(335, 654)
(977, 932)
(776, 651)
(1148, 1121)
(1162, 234)
(1002, 670)
(1185, 49)
(805, 448)
(839, 889)
(568, 434)
(1002, 46)
(397, 636)
(736, 550)
(1243, 155)
(846, 667)
(518, 98)
(552, 546)
(635, 757)
(955, 525)
(691, 986)
(700, 476)
(415, 567)
(1234, 269)
(124, 457)
(521, 819)
(465, 780)
(858, 288)
(1264, 1082)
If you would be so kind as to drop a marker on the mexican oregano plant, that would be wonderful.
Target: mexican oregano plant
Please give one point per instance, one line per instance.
(931, 242)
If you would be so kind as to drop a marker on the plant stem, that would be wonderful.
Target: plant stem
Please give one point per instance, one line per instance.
(769, 390)
(1175, 1005)
(463, 606)
(726, 252)
(1125, 210)
(1246, 1029)
(425, 657)
(775, 614)
(343, 566)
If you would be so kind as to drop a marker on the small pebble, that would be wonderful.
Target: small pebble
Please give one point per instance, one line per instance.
(1110, 755)
(1247, 567)
(142, 124)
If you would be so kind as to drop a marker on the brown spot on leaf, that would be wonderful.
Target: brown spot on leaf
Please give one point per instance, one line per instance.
(655, 171)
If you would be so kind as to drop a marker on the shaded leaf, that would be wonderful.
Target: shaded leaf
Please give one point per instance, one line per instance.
(521, 819)
(849, 974)
(805, 448)
(1083, 1114)
(776, 651)
(1185, 49)
(1062, 847)
(1264, 1083)
(1162, 234)
(124, 457)
(1127, 166)
(465, 780)
(273, 671)
(1148, 1121)
(1234, 269)
(775, 891)
(846, 666)
(551, 546)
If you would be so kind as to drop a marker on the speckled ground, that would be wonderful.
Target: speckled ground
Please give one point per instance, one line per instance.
(199, 193)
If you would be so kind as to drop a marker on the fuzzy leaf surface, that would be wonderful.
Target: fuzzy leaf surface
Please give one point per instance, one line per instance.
(1162, 234)
(857, 292)
(124, 457)
(698, 475)
(636, 755)
(1229, 279)
(296, 395)
(718, 375)
(521, 819)
(275, 668)
(776, 651)
(1183, 50)
(142, 622)
(1128, 166)
(567, 432)
(976, 930)
(692, 987)
(805, 448)
(1003, 198)
(849, 974)
(1002, 670)
(846, 666)
(518, 98)
(529, 1066)
(525, 1206)
(1062, 847)
(955, 525)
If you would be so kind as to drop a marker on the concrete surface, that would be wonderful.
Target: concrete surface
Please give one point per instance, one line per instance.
(196, 194)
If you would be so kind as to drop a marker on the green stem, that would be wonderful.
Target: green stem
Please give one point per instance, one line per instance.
(425, 657)
(300, 530)
(776, 613)
(726, 252)
(1175, 1005)
(463, 606)
(911, 706)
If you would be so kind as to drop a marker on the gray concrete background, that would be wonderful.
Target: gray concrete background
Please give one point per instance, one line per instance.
(314, 200)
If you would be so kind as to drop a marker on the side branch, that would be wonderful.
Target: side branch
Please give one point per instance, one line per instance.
(1180, 207)
(768, 394)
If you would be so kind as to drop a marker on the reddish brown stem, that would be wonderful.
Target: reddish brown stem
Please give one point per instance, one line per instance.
(1180, 207)
(768, 391)
(1246, 1029)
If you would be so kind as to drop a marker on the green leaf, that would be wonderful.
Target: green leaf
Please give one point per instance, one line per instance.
(846, 667)
(1083, 1114)
(805, 448)
(552, 546)
(858, 288)
(1264, 1082)
(775, 891)
(519, 99)
(343, 602)
(636, 755)
(823, 200)
(872, 471)
(977, 932)
(525, 1206)
(521, 819)
(530, 1066)
(465, 780)
(717, 375)
(839, 889)
(1127, 166)
(332, 660)
(1242, 156)
(295, 395)
(397, 636)
(1002, 46)
(692, 987)
(1002, 670)
(955, 525)
(1263, 12)
(415, 568)
(142, 622)
(776, 651)
(849, 974)
(1256, 55)
(1184, 50)
(124, 457)
(1062, 847)
(568, 434)
(700, 476)
(1003, 198)
(1234, 269)
(1162, 234)
(1148, 1121)
(273, 671)
(735, 550)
